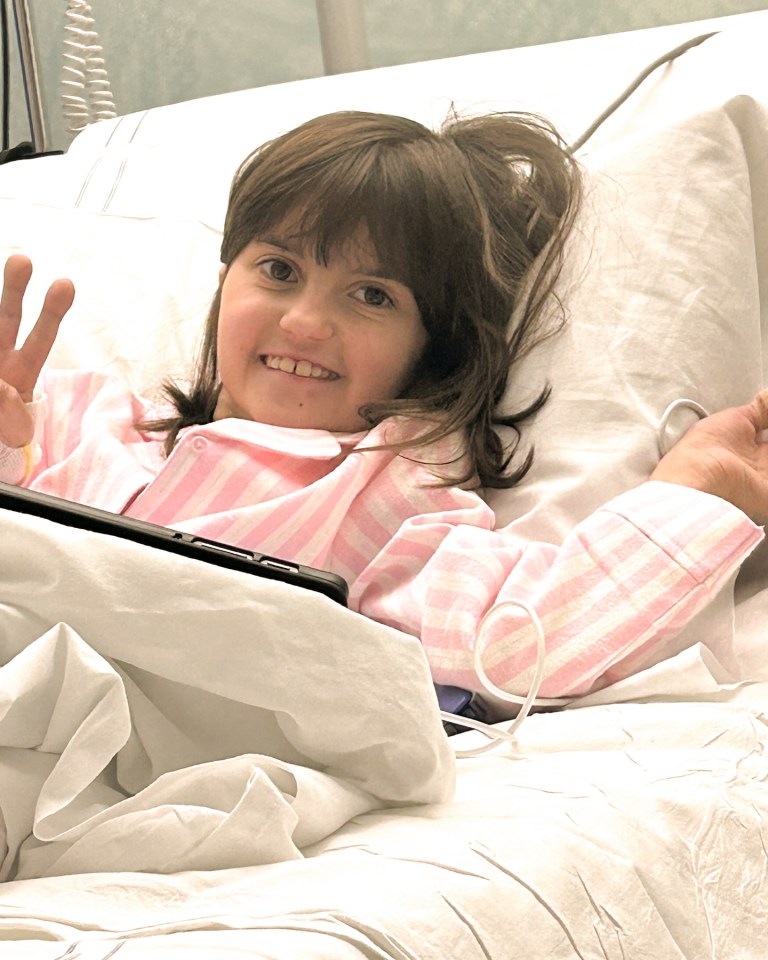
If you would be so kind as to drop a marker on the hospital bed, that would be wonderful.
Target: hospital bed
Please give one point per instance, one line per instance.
(214, 766)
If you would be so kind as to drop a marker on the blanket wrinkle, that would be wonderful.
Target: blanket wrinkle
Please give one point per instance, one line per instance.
(483, 851)
(604, 921)
(72, 707)
(180, 833)
(156, 744)
(58, 663)
(175, 725)
(432, 861)
(469, 923)
(22, 774)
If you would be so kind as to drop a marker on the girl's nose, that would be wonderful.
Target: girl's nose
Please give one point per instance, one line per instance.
(308, 317)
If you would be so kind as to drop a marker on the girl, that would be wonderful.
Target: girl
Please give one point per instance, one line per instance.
(343, 411)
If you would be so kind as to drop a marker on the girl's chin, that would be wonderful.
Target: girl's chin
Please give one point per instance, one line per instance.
(291, 419)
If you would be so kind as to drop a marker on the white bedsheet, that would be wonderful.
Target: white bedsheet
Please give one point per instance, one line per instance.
(622, 832)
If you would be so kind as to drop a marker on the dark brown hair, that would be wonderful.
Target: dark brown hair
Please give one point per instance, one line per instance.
(458, 215)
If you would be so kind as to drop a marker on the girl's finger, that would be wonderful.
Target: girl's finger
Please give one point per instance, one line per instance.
(37, 346)
(759, 411)
(16, 424)
(16, 277)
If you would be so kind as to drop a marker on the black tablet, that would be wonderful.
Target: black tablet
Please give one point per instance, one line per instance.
(21, 500)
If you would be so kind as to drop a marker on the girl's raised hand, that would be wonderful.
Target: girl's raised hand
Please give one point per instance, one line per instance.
(725, 455)
(20, 366)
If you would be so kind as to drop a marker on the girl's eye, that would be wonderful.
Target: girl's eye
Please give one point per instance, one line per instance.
(277, 269)
(375, 297)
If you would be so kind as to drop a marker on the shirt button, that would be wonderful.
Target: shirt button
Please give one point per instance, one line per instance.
(199, 444)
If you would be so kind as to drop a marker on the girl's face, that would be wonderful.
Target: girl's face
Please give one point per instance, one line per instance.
(302, 344)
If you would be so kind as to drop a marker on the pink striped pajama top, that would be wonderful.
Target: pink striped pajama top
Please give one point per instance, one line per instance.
(422, 558)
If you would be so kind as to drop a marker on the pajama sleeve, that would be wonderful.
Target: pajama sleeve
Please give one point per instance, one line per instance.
(621, 584)
(17, 463)
(87, 447)
(14, 464)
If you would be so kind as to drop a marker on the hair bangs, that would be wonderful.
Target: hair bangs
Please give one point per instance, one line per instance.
(363, 202)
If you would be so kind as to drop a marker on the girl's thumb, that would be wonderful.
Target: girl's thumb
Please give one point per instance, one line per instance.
(760, 407)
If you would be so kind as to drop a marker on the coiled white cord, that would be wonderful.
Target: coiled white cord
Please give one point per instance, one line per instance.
(86, 93)
(500, 734)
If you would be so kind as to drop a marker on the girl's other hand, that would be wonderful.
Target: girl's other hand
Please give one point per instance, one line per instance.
(20, 366)
(725, 455)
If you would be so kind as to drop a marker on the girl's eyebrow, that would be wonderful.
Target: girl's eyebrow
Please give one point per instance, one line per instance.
(376, 272)
(275, 242)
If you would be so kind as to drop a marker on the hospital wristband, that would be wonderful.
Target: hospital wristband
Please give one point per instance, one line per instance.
(17, 463)
(31, 453)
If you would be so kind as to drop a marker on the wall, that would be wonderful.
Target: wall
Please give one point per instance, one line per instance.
(165, 51)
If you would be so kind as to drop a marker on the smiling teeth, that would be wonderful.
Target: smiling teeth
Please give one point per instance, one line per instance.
(300, 368)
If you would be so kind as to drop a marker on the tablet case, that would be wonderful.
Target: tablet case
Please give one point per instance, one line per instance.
(66, 512)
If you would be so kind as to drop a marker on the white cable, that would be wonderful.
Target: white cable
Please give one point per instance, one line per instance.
(85, 90)
(662, 442)
(499, 734)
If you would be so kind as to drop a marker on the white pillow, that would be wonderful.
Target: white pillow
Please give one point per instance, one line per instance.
(662, 299)
(662, 296)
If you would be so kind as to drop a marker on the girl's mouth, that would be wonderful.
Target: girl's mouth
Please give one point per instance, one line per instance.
(299, 368)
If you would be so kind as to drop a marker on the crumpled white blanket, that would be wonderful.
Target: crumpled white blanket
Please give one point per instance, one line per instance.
(161, 714)
(616, 831)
